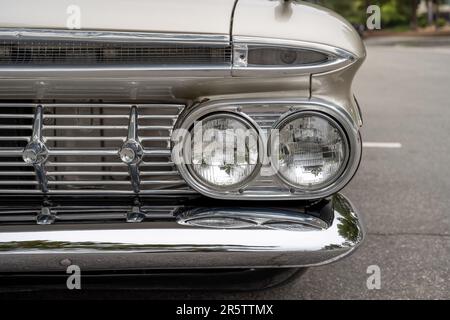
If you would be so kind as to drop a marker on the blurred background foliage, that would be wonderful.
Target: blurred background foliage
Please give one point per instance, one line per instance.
(396, 14)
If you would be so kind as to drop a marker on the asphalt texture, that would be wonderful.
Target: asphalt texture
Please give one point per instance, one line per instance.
(403, 193)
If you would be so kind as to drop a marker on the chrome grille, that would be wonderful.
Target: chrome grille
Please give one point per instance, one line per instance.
(82, 143)
(75, 52)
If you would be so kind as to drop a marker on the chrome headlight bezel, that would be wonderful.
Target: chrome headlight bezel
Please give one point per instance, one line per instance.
(284, 108)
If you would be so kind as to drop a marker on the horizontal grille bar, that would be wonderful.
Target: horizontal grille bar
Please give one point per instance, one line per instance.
(107, 182)
(16, 116)
(9, 138)
(84, 138)
(5, 127)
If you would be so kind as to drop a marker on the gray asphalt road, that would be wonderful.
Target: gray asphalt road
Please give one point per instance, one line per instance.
(404, 193)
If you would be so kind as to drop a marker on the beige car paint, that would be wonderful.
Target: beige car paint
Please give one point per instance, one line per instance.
(198, 16)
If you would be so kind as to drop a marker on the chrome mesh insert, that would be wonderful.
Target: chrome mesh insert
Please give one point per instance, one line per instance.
(75, 52)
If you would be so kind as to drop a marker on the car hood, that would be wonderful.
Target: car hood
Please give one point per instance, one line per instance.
(199, 16)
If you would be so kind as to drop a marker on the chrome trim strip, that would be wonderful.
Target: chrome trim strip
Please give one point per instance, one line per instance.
(119, 72)
(168, 244)
(340, 58)
(114, 36)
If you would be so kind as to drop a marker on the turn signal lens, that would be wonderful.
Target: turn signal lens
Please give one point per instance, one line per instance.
(283, 57)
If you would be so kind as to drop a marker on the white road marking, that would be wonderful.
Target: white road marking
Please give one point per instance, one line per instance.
(389, 145)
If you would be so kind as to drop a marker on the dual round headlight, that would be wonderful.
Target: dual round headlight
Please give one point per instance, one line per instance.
(308, 151)
(311, 150)
(224, 150)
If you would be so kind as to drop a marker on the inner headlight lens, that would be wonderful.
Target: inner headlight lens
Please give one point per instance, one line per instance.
(312, 150)
(224, 150)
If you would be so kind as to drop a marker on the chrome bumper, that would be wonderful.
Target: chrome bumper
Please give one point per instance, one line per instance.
(274, 238)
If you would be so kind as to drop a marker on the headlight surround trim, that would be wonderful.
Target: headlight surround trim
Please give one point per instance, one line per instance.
(343, 115)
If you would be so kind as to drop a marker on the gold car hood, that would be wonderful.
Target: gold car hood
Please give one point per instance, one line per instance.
(199, 16)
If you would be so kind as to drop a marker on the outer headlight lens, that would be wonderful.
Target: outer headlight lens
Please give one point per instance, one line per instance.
(227, 154)
(312, 150)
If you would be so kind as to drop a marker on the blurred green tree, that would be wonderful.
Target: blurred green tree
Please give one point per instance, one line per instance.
(393, 12)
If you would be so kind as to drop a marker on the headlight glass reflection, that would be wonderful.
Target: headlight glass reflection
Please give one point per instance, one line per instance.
(312, 150)
(224, 150)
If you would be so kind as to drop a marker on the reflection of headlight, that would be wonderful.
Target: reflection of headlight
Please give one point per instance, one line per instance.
(226, 153)
(313, 150)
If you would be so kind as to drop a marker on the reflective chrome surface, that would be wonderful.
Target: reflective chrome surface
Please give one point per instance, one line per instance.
(169, 244)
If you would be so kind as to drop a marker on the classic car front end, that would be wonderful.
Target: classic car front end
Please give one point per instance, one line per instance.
(103, 163)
